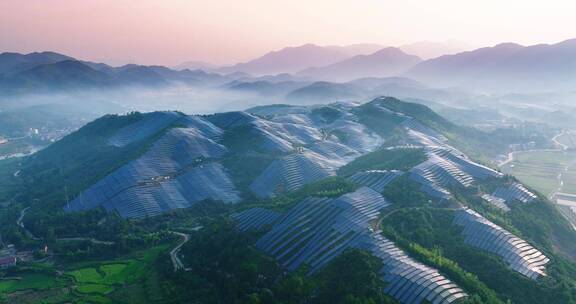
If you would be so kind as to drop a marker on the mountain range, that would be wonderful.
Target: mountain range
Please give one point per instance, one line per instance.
(507, 66)
(428, 50)
(52, 72)
(14, 62)
(290, 60)
(310, 56)
(504, 68)
(386, 62)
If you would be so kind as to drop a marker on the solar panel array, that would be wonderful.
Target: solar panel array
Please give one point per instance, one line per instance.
(290, 173)
(423, 135)
(356, 135)
(177, 171)
(255, 218)
(445, 168)
(273, 136)
(314, 152)
(335, 152)
(517, 253)
(208, 181)
(231, 119)
(150, 124)
(317, 230)
(496, 201)
(514, 192)
(376, 180)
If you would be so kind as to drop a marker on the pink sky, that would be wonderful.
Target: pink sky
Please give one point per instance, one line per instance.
(226, 31)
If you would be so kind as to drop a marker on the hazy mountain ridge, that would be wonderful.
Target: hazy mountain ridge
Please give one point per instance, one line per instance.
(14, 62)
(383, 63)
(428, 50)
(52, 72)
(504, 67)
(289, 60)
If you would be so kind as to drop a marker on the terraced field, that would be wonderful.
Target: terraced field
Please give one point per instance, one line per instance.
(96, 282)
(540, 170)
(28, 281)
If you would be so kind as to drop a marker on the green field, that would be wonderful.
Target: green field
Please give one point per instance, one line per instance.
(104, 278)
(540, 170)
(86, 275)
(28, 281)
(95, 288)
(115, 281)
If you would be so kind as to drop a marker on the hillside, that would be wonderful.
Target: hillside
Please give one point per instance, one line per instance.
(285, 203)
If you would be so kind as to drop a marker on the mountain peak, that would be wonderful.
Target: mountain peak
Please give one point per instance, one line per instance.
(289, 60)
(390, 51)
(386, 62)
(508, 46)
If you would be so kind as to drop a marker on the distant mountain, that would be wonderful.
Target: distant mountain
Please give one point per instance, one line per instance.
(74, 75)
(278, 78)
(61, 75)
(196, 65)
(14, 62)
(428, 50)
(321, 92)
(505, 67)
(369, 88)
(357, 49)
(289, 60)
(47, 71)
(140, 75)
(383, 63)
(265, 88)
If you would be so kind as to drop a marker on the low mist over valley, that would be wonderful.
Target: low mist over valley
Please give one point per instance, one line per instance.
(488, 87)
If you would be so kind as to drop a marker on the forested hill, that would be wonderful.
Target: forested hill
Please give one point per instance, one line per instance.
(280, 201)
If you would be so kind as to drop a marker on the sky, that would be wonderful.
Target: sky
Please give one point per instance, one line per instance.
(169, 32)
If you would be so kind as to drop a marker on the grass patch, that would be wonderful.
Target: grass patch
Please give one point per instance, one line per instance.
(113, 273)
(36, 281)
(95, 288)
(86, 275)
(107, 278)
(96, 299)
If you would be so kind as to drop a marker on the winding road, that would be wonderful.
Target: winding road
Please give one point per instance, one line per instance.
(176, 262)
(20, 223)
(555, 140)
(562, 146)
